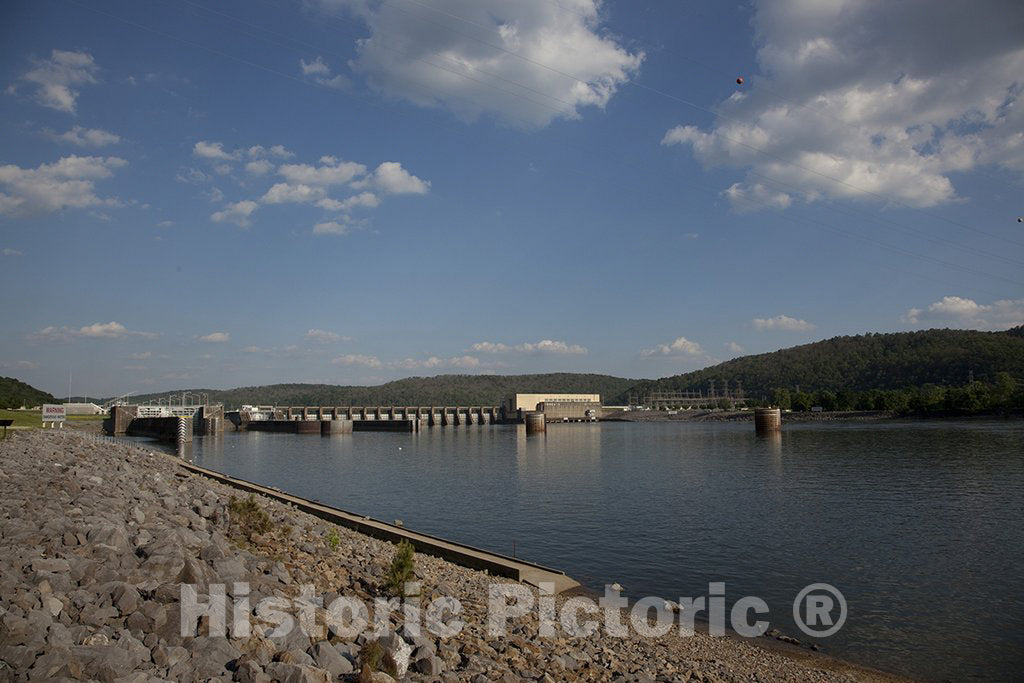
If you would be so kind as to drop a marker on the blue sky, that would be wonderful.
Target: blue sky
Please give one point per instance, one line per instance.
(199, 194)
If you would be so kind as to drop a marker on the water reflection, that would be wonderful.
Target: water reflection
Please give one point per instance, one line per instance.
(571, 451)
(770, 445)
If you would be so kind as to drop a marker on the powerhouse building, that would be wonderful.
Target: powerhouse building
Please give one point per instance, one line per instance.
(556, 407)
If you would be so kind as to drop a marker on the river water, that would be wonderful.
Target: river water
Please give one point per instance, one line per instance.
(920, 525)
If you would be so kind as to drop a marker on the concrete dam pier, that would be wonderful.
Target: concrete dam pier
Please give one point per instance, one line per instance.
(344, 420)
(167, 423)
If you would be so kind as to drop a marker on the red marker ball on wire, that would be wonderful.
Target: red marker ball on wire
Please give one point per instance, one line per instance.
(739, 81)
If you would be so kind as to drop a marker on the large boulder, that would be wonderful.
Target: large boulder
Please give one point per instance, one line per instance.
(326, 656)
(212, 656)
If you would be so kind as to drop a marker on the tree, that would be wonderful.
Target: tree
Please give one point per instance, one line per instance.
(845, 400)
(782, 399)
(891, 400)
(826, 399)
(802, 401)
(1003, 389)
(865, 400)
(928, 398)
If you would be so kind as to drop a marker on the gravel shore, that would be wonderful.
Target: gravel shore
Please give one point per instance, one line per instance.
(96, 539)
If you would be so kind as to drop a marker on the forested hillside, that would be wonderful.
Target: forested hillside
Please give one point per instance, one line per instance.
(956, 370)
(15, 394)
(439, 390)
(863, 363)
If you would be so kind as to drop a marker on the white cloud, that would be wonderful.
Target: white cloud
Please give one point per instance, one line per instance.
(290, 351)
(214, 195)
(681, 346)
(358, 359)
(165, 224)
(216, 337)
(330, 228)
(319, 72)
(315, 68)
(19, 365)
(340, 226)
(746, 197)
(891, 110)
(281, 193)
(7, 251)
(956, 311)
(142, 355)
(213, 150)
(323, 336)
(338, 82)
(276, 151)
(309, 184)
(237, 213)
(55, 78)
(434, 362)
(68, 183)
(259, 167)
(192, 175)
(463, 362)
(733, 347)
(88, 137)
(391, 178)
(364, 199)
(543, 346)
(332, 172)
(526, 62)
(781, 322)
(110, 330)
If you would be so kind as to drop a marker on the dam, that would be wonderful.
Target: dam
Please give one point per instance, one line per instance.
(165, 422)
(344, 419)
(178, 418)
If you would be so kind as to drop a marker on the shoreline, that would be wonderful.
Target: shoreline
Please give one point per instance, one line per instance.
(641, 416)
(700, 415)
(91, 571)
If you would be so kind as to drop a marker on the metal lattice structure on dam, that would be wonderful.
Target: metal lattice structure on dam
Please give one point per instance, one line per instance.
(717, 391)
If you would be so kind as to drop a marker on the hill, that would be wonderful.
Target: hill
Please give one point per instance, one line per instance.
(15, 394)
(869, 362)
(439, 390)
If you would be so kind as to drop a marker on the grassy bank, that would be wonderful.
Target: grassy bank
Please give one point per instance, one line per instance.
(34, 418)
